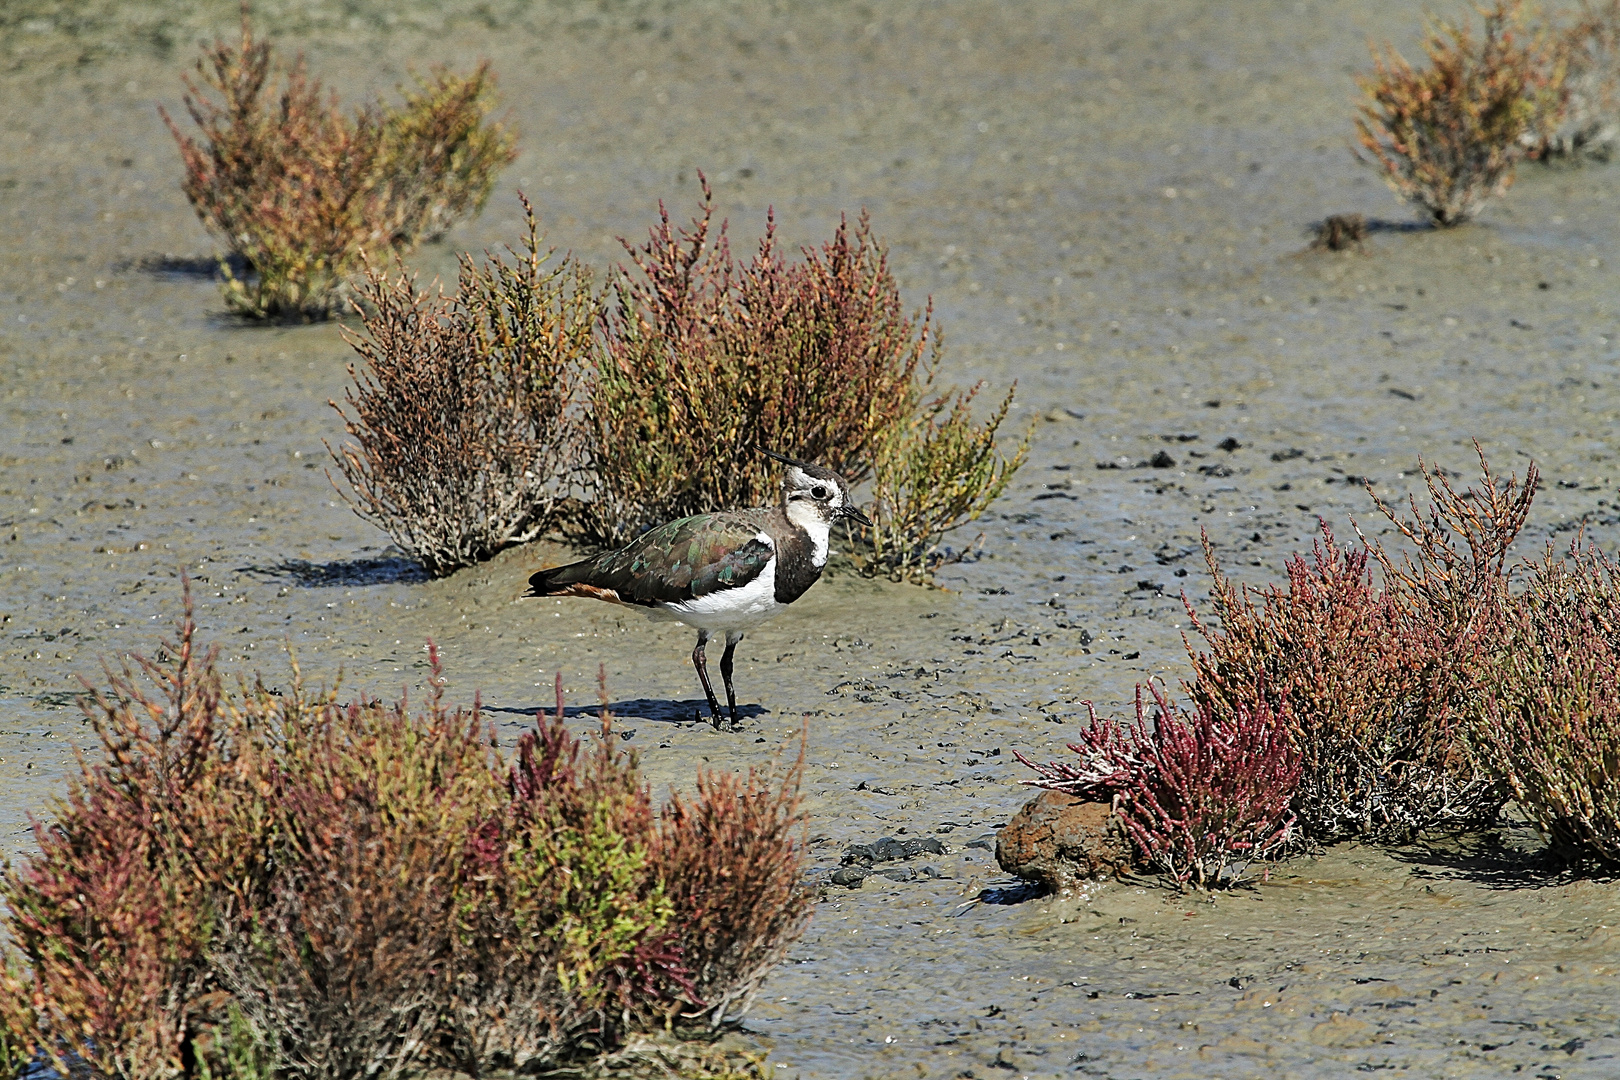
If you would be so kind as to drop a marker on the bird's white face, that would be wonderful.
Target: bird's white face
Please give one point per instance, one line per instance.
(814, 502)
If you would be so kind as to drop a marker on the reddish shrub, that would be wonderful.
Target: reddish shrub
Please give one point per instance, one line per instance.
(258, 883)
(1201, 795)
(732, 859)
(704, 358)
(1375, 681)
(1447, 136)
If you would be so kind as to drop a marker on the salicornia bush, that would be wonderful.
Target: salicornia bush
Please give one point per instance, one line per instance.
(464, 416)
(300, 189)
(1588, 124)
(474, 415)
(1447, 135)
(1549, 716)
(936, 473)
(255, 883)
(1201, 795)
(1375, 678)
(704, 358)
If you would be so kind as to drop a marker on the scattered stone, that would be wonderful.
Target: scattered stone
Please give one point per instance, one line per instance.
(1229, 444)
(1059, 840)
(987, 841)
(891, 849)
(850, 876)
(1162, 460)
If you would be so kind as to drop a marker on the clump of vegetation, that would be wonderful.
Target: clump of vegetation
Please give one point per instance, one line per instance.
(1375, 680)
(703, 358)
(252, 883)
(1340, 232)
(301, 190)
(1448, 135)
(1549, 716)
(1588, 124)
(1201, 795)
(936, 473)
(464, 415)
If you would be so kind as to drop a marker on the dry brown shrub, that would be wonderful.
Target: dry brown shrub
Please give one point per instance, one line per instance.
(1340, 232)
(465, 439)
(301, 189)
(1447, 136)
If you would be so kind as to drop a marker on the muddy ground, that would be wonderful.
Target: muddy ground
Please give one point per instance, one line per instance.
(1108, 204)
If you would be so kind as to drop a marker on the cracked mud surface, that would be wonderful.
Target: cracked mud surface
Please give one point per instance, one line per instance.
(1107, 205)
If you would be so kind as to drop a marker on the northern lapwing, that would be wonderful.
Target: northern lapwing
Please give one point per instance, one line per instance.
(726, 571)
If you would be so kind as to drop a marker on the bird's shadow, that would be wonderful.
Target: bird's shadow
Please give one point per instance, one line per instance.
(652, 710)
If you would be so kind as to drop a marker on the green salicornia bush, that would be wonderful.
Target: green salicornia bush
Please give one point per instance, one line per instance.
(465, 414)
(300, 190)
(259, 883)
(1448, 135)
(1549, 716)
(937, 472)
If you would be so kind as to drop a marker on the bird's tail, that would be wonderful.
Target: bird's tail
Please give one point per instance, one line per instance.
(558, 580)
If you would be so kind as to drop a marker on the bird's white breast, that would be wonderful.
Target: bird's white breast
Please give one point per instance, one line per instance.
(732, 609)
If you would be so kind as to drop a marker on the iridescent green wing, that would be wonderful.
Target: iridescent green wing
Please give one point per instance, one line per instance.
(684, 559)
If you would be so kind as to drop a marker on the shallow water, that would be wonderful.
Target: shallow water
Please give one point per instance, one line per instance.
(1107, 205)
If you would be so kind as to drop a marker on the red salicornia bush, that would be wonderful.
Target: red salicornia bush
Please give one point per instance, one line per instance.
(1201, 795)
(703, 358)
(1375, 678)
(1549, 717)
(260, 883)
(1447, 136)
(463, 417)
(300, 190)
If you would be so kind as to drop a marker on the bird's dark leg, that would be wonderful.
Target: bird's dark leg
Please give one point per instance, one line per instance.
(701, 662)
(732, 637)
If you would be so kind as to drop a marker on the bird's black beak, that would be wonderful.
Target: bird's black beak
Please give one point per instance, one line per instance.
(855, 515)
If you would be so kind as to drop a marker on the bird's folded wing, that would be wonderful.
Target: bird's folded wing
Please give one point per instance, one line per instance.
(684, 559)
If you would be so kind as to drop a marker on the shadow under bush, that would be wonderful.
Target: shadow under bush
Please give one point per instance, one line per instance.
(246, 882)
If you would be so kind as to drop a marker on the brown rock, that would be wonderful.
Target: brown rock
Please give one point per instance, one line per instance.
(1059, 840)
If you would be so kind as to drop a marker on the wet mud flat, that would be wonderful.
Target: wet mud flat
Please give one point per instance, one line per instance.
(1105, 204)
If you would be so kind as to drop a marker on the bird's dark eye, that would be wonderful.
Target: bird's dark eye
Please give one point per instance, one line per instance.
(818, 493)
